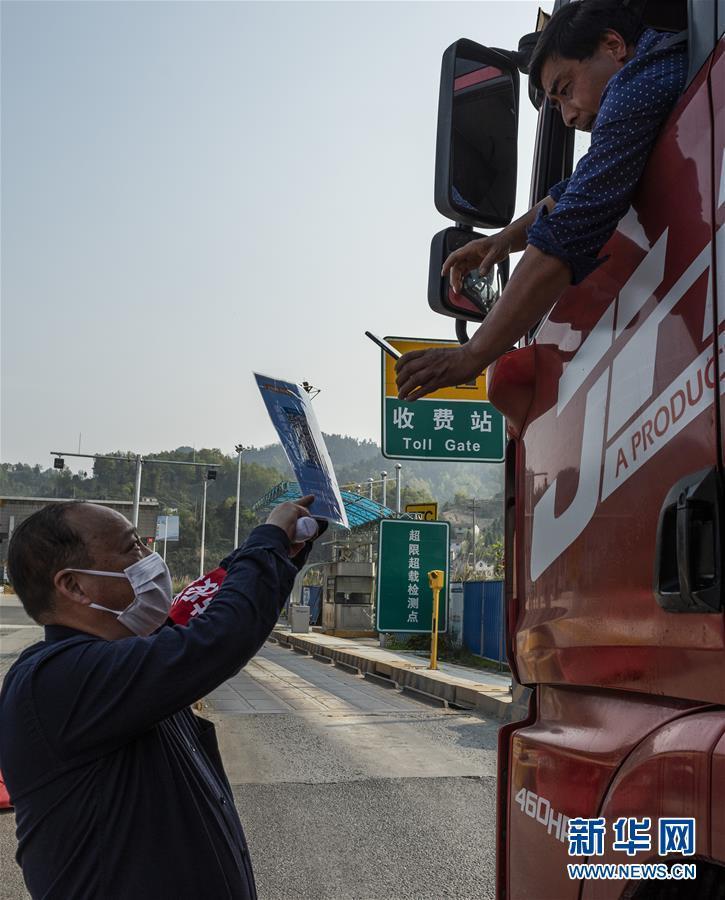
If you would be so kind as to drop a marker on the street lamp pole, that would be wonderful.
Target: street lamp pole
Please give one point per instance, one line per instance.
(239, 448)
(59, 463)
(203, 530)
(384, 476)
(137, 490)
(398, 469)
(370, 484)
(210, 476)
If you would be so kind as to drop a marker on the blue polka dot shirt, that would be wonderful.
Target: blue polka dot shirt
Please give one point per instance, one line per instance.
(635, 104)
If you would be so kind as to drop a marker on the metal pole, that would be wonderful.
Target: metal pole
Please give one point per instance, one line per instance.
(483, 612)
(166, 533)
(398, 479)
(146, 459)
(502, 612)
(203, 530)
(137, 490)
(239, 449)
(434, 630)
(436, 583)
(370, 482)
(384, 476)
(473, 532)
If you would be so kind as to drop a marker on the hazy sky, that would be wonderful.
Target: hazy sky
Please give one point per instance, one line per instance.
(193, 191)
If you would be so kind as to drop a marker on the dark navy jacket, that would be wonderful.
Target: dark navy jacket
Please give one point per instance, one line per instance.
(118, 788)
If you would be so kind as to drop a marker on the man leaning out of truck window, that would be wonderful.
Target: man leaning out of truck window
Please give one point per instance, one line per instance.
(608, 75)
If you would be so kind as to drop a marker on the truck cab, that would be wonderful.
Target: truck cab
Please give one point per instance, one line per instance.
(614, 481)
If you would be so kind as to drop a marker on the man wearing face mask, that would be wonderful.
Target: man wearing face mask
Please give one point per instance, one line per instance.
(118, 788)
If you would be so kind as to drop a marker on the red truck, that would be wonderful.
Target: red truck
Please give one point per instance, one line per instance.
(614, 489)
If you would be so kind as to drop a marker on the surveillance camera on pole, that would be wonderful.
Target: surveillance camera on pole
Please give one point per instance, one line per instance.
(239, 448)
(210, 476)
(59, 463)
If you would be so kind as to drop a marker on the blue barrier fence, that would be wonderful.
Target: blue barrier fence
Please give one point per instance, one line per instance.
(312, 597)
(483, 616)
(483, 619)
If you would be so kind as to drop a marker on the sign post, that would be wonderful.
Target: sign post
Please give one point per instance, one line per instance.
(167, 528)
(455, 424)
(407, 551)
(436, 580)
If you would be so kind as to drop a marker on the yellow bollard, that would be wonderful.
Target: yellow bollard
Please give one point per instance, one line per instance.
(436, 581)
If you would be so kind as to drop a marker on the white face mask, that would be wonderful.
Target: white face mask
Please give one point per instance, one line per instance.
(151, 582)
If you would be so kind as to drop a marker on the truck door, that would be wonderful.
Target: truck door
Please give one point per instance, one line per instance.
(619, 557)
(621, 447)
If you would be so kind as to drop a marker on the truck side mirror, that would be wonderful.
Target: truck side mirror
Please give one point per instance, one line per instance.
(441, 296)
(478, 120)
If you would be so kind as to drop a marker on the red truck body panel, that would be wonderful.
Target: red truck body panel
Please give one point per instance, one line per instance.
(717, 792)
(603, 442)
(568, 759)
(668, 774)
(618, 398)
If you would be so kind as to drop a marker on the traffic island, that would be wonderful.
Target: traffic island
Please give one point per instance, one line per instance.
(444, 686)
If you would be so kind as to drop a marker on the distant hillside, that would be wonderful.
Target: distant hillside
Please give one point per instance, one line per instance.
(179, 488)
(355, 461)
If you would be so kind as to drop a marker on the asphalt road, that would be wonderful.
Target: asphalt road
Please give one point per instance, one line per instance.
(347, 790)
(11, 614)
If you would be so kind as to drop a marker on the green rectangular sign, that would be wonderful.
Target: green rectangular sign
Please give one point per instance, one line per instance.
(446, 430)
(454, 424)
(408, 550)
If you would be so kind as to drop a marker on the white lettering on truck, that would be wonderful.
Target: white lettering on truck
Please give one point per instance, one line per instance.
(541, 810)
(632, 381)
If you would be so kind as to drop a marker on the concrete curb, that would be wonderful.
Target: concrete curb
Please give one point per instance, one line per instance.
(493, 700)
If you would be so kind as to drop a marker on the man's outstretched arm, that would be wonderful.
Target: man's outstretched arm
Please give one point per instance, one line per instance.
(485, 252)
(532, 290)
(98, 694)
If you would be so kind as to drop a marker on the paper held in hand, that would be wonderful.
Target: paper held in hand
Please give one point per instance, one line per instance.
(291, 412)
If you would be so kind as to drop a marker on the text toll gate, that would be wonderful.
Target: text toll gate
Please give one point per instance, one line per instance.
(455, 424)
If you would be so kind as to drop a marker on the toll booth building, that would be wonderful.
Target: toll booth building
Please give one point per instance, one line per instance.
(13, 510)
(348, 596)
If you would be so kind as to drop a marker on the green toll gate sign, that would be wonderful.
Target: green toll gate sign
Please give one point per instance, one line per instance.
(407, 551)
(455, 424)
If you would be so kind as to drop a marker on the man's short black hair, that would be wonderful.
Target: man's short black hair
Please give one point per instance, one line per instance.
(41, 546)
(574, 32)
